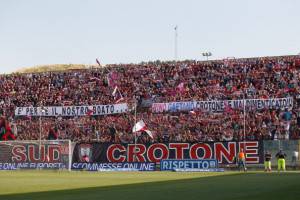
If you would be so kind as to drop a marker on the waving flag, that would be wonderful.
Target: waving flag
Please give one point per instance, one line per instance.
(98, 62)
(114, 93)
(27, 117)
(227, 108)
(118, 97)
(5, 130)
(141, 126)
(89, 112)
(193, 112)
(112, 79)
(180, 87)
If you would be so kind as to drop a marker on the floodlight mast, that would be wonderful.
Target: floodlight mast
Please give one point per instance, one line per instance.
(206, 54)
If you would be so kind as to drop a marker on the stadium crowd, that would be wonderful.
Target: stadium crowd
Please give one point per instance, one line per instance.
(268, 77)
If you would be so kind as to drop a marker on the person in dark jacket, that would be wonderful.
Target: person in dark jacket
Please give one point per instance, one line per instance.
(53, 134)
(281, 160)
(268, 157)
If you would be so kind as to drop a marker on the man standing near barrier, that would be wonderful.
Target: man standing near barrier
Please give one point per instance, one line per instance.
(281, 160)
(268, 157)
(242, 160)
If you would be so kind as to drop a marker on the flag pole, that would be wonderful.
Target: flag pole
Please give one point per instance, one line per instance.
(40, 131)
(120, 93)
(244, 113)
(42, 111)
(175, 43)
(135, 119)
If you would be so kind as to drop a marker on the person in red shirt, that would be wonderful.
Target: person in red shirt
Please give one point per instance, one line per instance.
(5, 130)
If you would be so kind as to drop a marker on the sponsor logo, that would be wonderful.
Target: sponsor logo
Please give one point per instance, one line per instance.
(85, 153)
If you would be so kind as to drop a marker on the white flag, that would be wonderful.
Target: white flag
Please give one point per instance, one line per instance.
(115, 91)
(141, 126)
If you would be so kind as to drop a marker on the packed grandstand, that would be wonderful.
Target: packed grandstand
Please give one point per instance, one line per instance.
(151, 83)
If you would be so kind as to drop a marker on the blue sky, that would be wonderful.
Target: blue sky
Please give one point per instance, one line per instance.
(35, 32)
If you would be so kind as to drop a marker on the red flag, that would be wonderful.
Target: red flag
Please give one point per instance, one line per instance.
(6, 133)
(89, 112)
(181, 87)
(28, 117)
(112, 79)
(227, 107)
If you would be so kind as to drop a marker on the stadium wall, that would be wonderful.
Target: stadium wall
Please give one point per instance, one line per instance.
(55, 155)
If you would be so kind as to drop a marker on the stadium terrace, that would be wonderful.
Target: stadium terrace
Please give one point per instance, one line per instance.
(81, 105)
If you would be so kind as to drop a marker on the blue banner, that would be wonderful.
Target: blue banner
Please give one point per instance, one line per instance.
(200, 170)
(171, 164)
(32, 165)
(114, 166)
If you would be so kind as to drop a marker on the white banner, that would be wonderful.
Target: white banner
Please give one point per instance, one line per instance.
(72, 110)
(224, 105)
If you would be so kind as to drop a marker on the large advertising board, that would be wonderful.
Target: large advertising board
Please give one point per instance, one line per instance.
(223, 152)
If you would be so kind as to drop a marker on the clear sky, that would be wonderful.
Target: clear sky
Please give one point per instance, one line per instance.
(36, 32)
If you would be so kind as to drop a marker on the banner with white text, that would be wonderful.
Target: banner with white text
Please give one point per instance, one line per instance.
(72, 110)
(224, 105)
